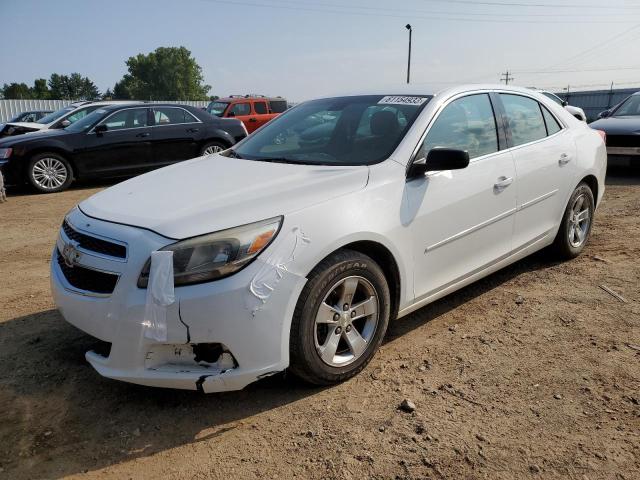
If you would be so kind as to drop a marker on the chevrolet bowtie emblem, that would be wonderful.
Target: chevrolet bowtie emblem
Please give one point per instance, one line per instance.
(70, 254)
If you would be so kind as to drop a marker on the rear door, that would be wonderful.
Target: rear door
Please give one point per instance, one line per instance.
(262, 115)
(544, 153)
(175, 136)
(463, 219)
(123, 149)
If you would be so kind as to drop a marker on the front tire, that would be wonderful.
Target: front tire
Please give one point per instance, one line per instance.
(49, 172)
(575, 227)
(340, 319)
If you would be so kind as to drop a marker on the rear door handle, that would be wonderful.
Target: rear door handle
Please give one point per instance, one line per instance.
(564, 159)
(141, 135)
(502, 183)
(193, 130)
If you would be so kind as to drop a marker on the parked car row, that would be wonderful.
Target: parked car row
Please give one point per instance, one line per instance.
(114, 140)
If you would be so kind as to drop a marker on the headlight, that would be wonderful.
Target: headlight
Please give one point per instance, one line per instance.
(217, 255)
(5, 153)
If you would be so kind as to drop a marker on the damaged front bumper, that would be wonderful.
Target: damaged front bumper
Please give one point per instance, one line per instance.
(220, 335)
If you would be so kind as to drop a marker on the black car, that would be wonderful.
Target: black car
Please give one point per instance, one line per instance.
(114, 141)
(622, 126)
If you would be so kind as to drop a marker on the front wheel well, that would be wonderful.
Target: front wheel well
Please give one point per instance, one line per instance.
(385, 259)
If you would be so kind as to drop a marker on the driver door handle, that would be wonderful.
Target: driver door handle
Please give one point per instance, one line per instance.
(502, 183)
(141, 135)
(564, 159)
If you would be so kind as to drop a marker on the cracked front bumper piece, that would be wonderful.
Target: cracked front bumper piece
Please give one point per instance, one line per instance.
(216, 337)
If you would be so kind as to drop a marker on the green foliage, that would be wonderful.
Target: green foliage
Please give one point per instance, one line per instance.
(72, 87)
(40, 90)
(16, 91)
(168, 73)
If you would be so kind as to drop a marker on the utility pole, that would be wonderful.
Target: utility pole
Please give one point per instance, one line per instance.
(408, 27)
(507, 77)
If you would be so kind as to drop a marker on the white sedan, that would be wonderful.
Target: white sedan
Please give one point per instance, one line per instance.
(295, 248)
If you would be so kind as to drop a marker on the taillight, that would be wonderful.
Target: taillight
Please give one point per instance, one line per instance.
(603, 135)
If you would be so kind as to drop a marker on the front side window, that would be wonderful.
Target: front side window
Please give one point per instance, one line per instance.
(354, 130)
(524, 117)
(169, 116)
(85, 123)
(631, 106)
(467, 124)
(131, 118)
(241, 109)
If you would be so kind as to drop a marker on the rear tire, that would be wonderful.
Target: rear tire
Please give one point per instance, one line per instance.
(340, 319)
(49, 172)
(575, 227)
(212, 148)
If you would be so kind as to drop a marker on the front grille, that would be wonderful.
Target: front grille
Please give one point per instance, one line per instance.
(87, 279)
(623, 140)
(94, 244)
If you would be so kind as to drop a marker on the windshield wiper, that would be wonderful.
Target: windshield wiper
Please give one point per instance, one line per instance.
(232, 153)
(276, 160)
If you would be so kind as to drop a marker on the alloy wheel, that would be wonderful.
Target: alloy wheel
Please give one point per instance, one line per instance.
(49, 173)
(211, 149)
(579, 221)
(346, 321)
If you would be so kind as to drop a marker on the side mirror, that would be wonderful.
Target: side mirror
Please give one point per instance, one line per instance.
(439, 159)
(100, 129)
(231, 114)
(604, 114)
(564, 103)
(65, 123)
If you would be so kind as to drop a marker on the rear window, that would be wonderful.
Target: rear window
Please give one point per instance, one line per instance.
(278, 106)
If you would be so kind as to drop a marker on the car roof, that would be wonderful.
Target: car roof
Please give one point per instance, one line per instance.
(243, 98)
(108, 106)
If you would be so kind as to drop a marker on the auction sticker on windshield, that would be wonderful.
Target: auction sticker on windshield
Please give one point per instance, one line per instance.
(402, 100)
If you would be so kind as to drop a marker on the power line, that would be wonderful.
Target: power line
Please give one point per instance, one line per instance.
(454, 17)
(539, 5)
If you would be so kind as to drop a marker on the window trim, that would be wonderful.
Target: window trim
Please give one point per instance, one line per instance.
(197, 120)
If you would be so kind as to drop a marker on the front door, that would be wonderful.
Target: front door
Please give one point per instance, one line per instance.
(123, 149)
(544, 154)
(243, 112)
(462, 219)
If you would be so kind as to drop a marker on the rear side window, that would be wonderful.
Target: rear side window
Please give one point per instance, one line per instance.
(278, 106)
(552, 124)
(260, 107)
(241, 109)
(524, 117)
(467, 124)
(130, 118)
(169, 116)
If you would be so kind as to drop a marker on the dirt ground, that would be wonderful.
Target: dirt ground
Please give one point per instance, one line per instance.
(533, 372)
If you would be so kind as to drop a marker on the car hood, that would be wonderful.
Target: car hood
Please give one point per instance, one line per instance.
(34, 125)
(30, 136)
(618, 125)
(215, 192)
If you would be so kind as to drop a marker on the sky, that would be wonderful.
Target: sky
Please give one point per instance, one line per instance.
(302, 49)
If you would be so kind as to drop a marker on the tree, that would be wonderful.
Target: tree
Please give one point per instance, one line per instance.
(108, 95)
(16, 91)
(121, 89)
(72, 87)
(168, 73)
(40, 90)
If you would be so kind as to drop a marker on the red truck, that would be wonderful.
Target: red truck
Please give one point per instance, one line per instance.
(253, 110)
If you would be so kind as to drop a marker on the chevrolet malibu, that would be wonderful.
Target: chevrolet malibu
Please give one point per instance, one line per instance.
(294, 249)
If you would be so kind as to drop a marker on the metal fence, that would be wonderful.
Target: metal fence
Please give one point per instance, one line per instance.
(595, 101)
(10, 108)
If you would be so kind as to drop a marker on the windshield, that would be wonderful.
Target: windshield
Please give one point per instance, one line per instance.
(631, 106)
(52, 117)
(85, 123)
(358, 130)
(217, 108)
